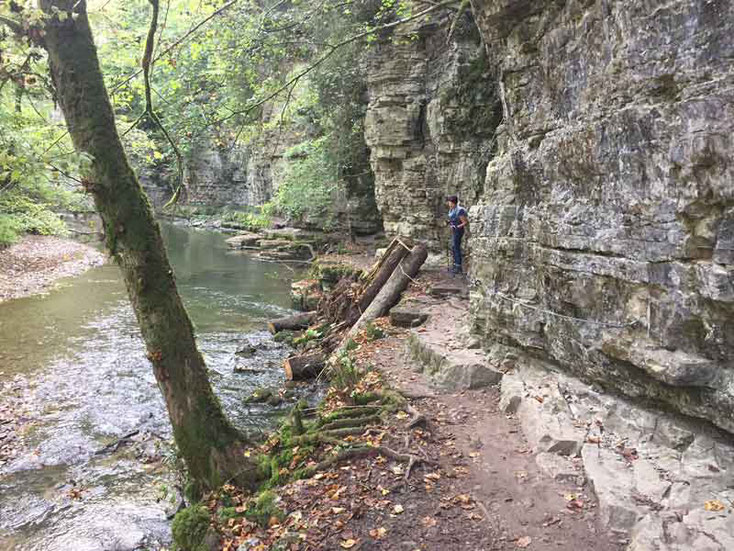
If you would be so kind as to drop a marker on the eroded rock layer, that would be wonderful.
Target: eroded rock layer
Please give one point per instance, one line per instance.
(430, 121)
(603, 240)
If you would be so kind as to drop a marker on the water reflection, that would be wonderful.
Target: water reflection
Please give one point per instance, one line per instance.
(73, 365)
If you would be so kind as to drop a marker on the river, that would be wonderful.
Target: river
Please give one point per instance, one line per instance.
(73, 370)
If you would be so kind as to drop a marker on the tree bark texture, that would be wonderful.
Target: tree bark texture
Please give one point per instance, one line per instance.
(209, 444)
(390, 293)
(395, 253)
(295, 322)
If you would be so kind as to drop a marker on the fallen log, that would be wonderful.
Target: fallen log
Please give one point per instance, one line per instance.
(304, 366)
(292, 323)
(387, 265)
(390, 293)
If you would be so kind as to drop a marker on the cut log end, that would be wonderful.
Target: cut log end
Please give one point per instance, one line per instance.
(304, 366)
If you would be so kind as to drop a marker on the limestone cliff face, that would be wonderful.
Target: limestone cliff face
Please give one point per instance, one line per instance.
(239, 177)
(603, 240)
(430, 121)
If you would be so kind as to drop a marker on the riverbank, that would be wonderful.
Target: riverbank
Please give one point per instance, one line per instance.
(38, 261)
(392, 459)
(424, 443)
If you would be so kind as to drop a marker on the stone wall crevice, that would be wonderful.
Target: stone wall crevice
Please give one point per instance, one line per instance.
(609, 196)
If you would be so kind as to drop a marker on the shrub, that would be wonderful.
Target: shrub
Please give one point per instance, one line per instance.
(10, 230)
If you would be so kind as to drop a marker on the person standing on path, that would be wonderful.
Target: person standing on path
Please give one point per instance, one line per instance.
(458, 221)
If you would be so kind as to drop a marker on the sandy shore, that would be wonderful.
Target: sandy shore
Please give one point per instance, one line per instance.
(34, 264)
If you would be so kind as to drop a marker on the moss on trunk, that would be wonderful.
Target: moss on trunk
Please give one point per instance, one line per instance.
(209, 444)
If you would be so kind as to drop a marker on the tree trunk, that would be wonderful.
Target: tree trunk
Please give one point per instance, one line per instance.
(304, 366)
(395, 253)
(292, 323)
(209, 444)
(389, 294)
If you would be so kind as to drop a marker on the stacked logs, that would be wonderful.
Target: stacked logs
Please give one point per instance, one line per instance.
(352, 306)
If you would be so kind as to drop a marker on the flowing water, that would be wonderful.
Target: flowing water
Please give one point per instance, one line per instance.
(74, 378)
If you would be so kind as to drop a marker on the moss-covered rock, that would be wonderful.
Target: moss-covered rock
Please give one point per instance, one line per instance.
(191, 529)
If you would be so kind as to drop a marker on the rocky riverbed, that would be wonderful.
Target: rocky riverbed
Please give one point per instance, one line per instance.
(38, 261)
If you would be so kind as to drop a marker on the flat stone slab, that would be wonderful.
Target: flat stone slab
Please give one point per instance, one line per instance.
(243, 240)
(408, 314)
(546, 419)
(560, 468)
(457, 369)
(614, 485)
(451, 288)
(663, 482)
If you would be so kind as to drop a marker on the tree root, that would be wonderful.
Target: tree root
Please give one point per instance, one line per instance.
(366, 451)
(352, 411)
(348, 431)
(350, 422)
(417, 419)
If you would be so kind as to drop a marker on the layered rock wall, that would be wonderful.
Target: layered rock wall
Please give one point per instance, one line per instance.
(429, 125)
(604, 237)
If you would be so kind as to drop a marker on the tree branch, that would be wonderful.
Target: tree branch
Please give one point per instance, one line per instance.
(146, 67)
(185, 37)
(333, 48)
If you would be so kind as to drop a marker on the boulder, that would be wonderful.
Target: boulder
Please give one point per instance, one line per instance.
(243, 240)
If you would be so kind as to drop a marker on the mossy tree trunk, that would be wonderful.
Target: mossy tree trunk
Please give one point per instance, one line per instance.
(210, 446)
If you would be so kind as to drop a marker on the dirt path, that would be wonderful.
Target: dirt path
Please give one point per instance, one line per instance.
(520, 506)
(34, 264)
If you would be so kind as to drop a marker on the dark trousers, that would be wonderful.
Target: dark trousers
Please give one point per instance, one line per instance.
(456, 237)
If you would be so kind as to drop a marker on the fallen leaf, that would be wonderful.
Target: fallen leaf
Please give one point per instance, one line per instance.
(378, 533)
(432, 476)
(714, 505)
(398, 509)
(337, 510)
(429, 522)
(401, 415)
(348, 544)
(523, 542)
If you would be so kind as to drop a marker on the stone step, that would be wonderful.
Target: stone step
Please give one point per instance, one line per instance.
(408, 314)
(453, 288)
(458, 369)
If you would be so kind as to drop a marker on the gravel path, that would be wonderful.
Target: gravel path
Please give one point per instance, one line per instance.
(34, 264)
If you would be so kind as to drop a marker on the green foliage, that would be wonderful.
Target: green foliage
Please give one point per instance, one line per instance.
(189, 528)
(373, 332)
(10, 230)
(308, 335)
(253, 221)
(308, 183)
(345, 374)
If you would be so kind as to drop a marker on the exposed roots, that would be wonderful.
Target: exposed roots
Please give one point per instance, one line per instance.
(367, 451)
(349, 422)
